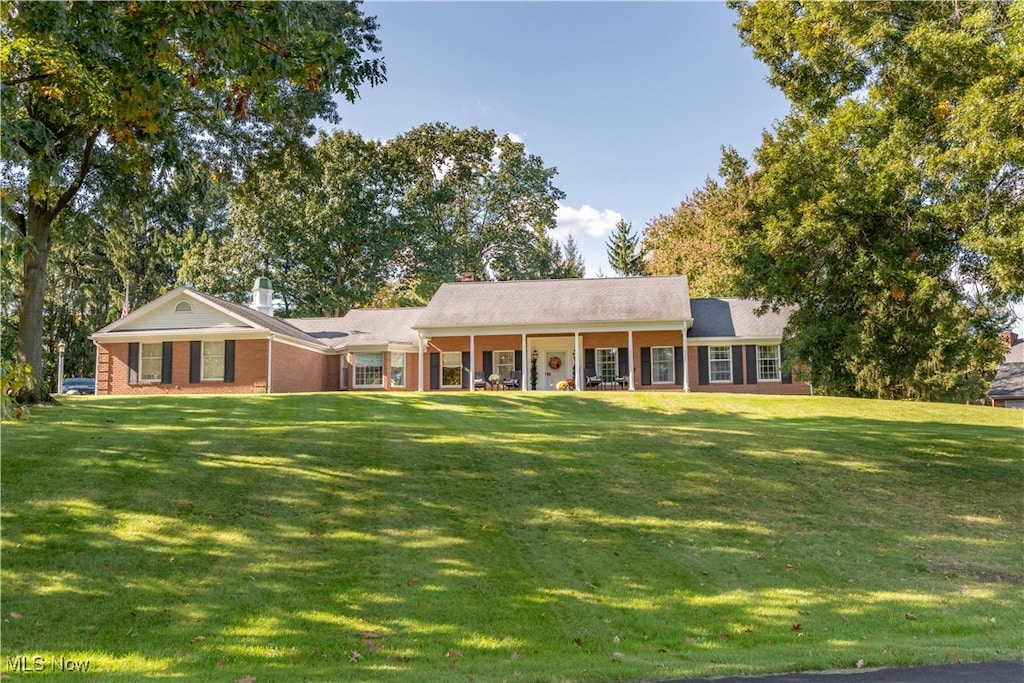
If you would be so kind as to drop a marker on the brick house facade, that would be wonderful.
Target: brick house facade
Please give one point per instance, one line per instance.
(639, 334)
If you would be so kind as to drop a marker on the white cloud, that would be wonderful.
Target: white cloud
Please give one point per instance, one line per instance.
(516, 137)
(585, 221)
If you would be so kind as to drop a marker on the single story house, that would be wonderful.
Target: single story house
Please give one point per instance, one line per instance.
(1007, 389)
(641, 333)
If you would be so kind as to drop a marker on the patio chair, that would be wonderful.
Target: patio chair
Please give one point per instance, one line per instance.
(514, 378)
(479, 381)
(591, 378)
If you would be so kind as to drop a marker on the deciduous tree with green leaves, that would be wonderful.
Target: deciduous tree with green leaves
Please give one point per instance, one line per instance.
(321, 222)
(473, 201)
(136, 84)
(625, 253)
(700, 238)
(890, 201)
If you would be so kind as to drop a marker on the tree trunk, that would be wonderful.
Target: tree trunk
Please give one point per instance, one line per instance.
(33, 294)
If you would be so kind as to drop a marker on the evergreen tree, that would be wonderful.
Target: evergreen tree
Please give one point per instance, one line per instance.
(624, 253)
(574, 265)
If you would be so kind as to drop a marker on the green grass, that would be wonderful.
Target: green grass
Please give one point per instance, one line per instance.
(509, 537)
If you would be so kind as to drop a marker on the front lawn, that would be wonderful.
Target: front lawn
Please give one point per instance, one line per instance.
(508, 537)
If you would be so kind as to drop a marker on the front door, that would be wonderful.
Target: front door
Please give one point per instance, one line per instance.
(556, 368)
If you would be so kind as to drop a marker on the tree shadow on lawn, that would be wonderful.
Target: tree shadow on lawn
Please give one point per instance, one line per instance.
(387, 527)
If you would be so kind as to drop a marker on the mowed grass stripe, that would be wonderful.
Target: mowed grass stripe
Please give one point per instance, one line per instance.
(502, 536)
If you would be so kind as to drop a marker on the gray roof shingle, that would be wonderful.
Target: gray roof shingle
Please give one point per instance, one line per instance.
(1009, 379)
(557, 302)
(734, 317)
(364, 327)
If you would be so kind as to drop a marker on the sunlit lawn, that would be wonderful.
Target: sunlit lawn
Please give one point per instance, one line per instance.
(501, 536)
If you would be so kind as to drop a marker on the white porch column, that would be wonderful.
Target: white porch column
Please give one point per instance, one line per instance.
(472, 362)
(632, 383)
(523, 381)
(419, 367)
(686, 363)
(577, 359)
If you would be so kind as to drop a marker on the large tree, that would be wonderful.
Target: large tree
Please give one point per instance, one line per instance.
(473, 202)
(136, 84)
(321, 222)
(890, 200)
(624, 249)
(700, 238)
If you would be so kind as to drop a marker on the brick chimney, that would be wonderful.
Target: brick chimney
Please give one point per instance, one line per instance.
(1009, 338)
(470, 276)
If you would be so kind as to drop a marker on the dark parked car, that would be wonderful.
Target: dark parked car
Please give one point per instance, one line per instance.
(79, 385)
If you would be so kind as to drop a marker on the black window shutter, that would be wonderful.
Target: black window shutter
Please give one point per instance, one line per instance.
(679, 358)
(488, 364)
(435, 371)
(195, 361)
(737, 364)
(519, 360)
(166, 352)
(133, 363)
(645, 365)
(229, 360)
(751, 364)
(787, 375)
(590, 360)
(624, 361)
(703, 370)
(465, 369)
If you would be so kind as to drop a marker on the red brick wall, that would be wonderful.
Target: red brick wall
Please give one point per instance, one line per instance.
(250, 371)
(298, 369)
(794, 389)
(411, 368)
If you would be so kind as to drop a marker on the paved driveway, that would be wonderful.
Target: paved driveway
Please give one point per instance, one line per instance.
(986, 672)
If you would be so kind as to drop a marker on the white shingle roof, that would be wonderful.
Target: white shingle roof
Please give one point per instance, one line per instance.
(557, 302)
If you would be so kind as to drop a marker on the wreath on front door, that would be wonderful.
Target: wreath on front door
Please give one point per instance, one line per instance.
(554, 362)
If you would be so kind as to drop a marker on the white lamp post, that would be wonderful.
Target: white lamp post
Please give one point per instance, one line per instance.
(61, 347)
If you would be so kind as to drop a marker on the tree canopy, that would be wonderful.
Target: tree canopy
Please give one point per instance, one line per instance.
(140, 87)
(889, 202)
(350, 222)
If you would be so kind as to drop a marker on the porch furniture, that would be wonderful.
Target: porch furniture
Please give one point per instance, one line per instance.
(591, 378)
(514, 378)
(479, 381)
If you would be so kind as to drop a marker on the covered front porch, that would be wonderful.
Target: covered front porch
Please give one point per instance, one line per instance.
(555, 360)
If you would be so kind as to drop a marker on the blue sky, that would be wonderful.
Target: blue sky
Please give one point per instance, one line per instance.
(631, 102)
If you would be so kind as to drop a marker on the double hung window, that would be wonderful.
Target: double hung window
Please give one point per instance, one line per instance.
(607, 363)
(213, 360)
(150, 362)
(451, 369)
(663, 366)
(398, 369)
(720, 363)
(504, 363)
(769, 363)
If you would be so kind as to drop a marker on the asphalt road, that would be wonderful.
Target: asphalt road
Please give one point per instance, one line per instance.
(985, 672)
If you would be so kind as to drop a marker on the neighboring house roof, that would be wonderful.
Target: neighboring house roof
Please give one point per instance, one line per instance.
(364, 327)
(1009, 379)
(736, 318)
(557, 303)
